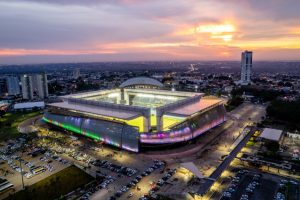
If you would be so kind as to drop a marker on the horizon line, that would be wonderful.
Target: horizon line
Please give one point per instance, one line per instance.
(132, 61)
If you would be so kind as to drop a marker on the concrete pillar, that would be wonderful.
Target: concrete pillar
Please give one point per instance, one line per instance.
(146, 123)
(122, 101)
(159, 121)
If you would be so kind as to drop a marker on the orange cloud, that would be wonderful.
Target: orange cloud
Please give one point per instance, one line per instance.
(224, 32)
(216, 29)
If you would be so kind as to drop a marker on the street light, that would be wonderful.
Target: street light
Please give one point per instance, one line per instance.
(22, 172)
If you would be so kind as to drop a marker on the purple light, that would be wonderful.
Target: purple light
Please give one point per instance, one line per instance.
(178, 135)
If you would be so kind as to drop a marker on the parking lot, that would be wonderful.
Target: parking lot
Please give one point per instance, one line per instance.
(126, 175)
(246, 185)
(134, 186)
(35, 167)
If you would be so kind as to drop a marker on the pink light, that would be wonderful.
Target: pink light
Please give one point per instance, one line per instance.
(178, 135)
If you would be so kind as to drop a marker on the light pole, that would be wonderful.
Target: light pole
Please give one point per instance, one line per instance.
(22, 173)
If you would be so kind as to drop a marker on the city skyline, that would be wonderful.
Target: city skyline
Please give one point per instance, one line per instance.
(129, 30)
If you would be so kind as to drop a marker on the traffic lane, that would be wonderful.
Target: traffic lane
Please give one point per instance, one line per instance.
(101, 194)
(125, 159)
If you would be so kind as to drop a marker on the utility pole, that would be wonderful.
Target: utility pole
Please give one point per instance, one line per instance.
(22, 173)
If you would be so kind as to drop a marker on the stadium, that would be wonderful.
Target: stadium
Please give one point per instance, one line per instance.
(138, 113)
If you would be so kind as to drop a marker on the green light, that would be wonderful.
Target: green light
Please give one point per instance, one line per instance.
(93, 136)
(65, 126)
(79, 131)
(46, 120)
(72, 128)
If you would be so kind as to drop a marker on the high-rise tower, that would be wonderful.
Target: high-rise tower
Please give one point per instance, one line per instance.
(34, 86)
(27, 90)
(13, 87)
(246, 67)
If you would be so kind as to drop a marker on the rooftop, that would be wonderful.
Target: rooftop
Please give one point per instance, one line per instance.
(271, 134)
(147, 98)
(141, 81)
(29, 105)
(120, 114)
(190, 109)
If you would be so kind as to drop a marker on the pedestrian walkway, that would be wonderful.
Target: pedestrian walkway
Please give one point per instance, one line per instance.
(208, 182)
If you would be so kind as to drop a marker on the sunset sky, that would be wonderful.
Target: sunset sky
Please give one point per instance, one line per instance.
(40, 31)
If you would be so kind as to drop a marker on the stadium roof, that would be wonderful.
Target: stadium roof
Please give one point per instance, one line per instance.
(271, 134)
(141, 81)
(29, 105)
(193, 108)
(120, 114)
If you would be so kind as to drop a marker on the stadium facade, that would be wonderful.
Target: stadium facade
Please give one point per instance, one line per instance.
(138, 113)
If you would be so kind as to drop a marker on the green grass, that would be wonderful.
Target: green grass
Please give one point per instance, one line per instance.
(9, 124)
(55, 185)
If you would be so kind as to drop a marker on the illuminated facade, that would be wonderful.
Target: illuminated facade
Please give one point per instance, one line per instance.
(130, 117)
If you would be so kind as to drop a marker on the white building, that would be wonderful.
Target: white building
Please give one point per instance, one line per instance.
(26, 82)
(34, 86)
(293, 135)
(13, 87)
(29, 105)
(271, 134)
(246, 67)
(76, 73)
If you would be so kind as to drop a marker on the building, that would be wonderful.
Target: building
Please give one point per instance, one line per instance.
(295, 135)
(136, 115)
(142, 83)
(76, 73)
(13, 86)
(27, 88)
(29, 106)
(40, 85)
(271, 134)
(246, 67)
(3, 87)
(34, 86)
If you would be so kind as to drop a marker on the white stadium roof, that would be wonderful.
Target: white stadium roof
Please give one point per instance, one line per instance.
(141, 81)
(97, 110)
(271, 134)
(193, 108)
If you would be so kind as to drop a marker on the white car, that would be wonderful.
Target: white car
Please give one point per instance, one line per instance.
(28, 175)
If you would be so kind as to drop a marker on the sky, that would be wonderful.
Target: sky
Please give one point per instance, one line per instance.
(52, 31)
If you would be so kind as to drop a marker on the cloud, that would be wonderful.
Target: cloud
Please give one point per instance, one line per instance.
(151, 29)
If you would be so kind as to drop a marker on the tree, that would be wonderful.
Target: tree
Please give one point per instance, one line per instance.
(264, 94)
(272, 146)
(235, 101)
(288, 112)
(54, 87)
